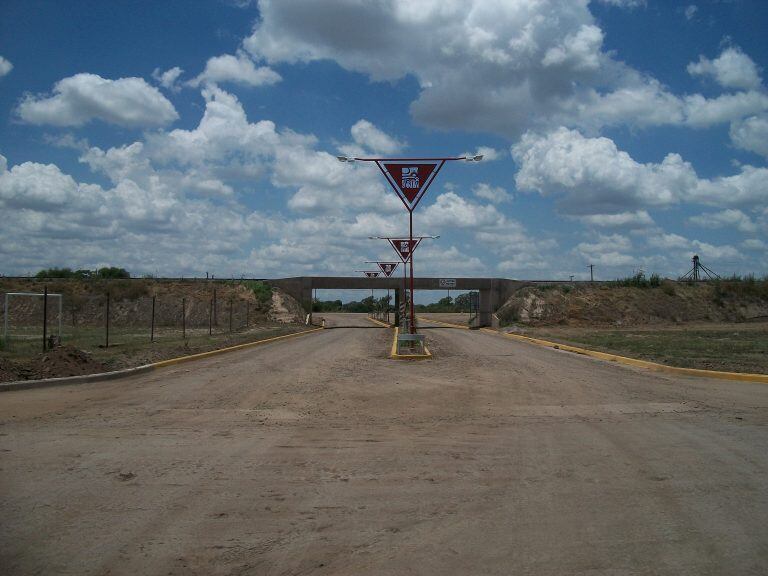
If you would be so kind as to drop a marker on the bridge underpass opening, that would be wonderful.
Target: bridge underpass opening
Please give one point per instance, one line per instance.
(492, 291)
(346, 308)
(456, 306)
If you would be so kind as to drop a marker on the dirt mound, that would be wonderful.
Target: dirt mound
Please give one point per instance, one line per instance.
(57, 363)
(607, 305)
(8, 370)
(67, 361)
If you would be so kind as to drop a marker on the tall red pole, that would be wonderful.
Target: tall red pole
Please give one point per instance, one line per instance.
(405, 290)
(410, 249)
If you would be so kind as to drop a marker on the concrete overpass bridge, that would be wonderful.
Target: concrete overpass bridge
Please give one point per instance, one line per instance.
(493, 291)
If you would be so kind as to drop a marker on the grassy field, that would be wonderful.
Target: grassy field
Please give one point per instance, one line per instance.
(731, 347)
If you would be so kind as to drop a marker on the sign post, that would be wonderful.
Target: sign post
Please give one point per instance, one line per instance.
(387, 268)
(410, 178)
(404, 248)
(370, 274)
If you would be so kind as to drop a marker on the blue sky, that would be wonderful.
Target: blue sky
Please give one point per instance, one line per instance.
(190, 137)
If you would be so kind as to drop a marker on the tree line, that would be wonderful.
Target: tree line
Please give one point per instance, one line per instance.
(102, 273)
(371, 304)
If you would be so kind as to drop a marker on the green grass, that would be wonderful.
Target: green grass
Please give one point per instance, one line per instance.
(736, 350)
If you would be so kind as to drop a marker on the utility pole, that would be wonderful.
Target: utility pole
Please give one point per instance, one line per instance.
(591, 272)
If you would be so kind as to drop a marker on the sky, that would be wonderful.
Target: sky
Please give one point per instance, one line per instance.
(184, 138)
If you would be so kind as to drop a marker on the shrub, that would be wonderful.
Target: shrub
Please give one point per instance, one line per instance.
(112, 272)
(741, 286)
(261, 290)
(636, 281)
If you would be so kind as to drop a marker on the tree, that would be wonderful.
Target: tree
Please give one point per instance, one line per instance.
(113, 272)
(55, 273)
(462, 302)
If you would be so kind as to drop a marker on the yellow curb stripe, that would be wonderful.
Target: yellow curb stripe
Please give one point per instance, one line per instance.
(393, 353)
(379, 322)
(201, 355)
(738, 376)
(450, 324)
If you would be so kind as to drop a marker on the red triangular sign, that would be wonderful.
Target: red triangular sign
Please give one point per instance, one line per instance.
(410, 179)
(372, 274)
(404, 247)
(387, 267)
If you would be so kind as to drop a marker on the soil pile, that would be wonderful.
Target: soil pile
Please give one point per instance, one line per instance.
(8, 370)
(57, 363)
(607, 305)
(67, 361)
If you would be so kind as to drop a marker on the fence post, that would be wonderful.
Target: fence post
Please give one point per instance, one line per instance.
(230, 315)
(184, 319)
(215, 312)
(106, 341)
(247, 313)
(210, 318)
(45, 318)
(6, 341)
(152, 330)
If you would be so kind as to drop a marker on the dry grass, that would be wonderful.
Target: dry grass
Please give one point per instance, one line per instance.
(729, 347)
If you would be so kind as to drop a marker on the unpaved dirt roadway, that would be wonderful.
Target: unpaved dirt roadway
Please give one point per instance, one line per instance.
(319, 455)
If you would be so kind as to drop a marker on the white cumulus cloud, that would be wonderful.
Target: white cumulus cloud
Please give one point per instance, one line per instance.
(595, 175)
(169, 78)
(239, 69)
(5, 66)
(369, 137)
(731, 218)
(732, 69)
(503, 67)
(495, 194)
(636, 219)
(592, 176)
(751, 134)
(82, 98)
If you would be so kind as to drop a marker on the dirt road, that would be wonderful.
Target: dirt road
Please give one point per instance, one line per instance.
(319, 455)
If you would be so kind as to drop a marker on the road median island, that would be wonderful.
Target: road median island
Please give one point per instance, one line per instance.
(127, 372)
(394, 354)
(646, 364)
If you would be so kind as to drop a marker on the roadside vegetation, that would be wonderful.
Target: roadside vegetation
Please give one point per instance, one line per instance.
(366, 305)
(107, 272)
(714, 325)
(371, 304)
(729, 348)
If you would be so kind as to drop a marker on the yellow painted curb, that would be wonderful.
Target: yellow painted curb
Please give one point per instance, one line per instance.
(739, 376)
(201, 355)
(379, 322)
(393, 353)
(451, 324)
